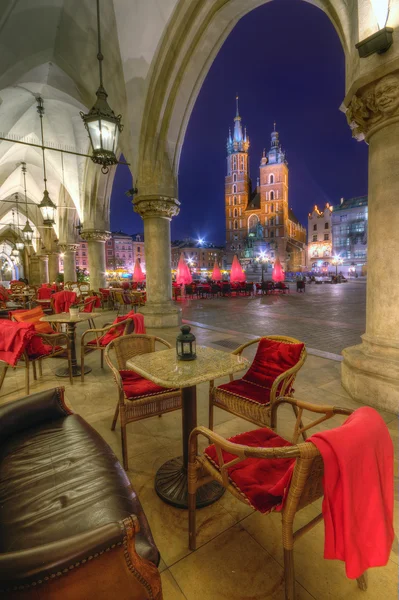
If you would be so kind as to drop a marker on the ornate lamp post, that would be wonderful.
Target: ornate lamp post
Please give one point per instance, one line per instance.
(27, 231)
(263, 259)
(102, 125)
(337, 260)
(47, 206)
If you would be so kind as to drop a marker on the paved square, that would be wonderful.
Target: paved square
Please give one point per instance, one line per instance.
(326, 317)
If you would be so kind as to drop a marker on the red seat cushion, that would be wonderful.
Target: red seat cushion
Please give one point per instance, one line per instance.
(271, 360)
(264, 482)
(247, 390)
(135, 386)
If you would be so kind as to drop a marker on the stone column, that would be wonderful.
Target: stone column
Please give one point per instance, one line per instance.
(96, 239)
(34, 270)
(69, 251)
(157, 212)
(43, 268)
(53, 266)
(370, 371)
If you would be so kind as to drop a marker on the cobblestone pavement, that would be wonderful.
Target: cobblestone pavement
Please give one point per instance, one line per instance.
(326, 317)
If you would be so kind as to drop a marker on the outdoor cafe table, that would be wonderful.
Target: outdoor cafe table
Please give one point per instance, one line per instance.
(164, 369)
(71, 323)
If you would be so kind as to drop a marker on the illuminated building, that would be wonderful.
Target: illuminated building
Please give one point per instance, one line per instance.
(320, 244)
(349, 225)
(200, 257)
(260, 220)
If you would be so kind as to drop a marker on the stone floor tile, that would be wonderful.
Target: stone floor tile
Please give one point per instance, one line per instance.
(232, 566)
(170, 589)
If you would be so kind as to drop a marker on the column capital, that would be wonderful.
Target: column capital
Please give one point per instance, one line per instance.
(95, 235)
(374, 106)
(156, 206)
(68, 247)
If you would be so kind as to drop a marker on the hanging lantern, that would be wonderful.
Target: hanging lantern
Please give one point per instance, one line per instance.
(14, 252)
(102, 125)
(47, 208)
(185, 344)
(27, 232)
(20, 246)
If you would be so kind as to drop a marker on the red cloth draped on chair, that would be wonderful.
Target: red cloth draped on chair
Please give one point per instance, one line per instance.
(237, 275)
(358, 491)
(63, 300)
(117, 331)
(91, 302)
(15, 338)
(44, 293)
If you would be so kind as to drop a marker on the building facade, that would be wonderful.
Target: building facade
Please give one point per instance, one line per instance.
(349, 226)
(260, 220)
(320, 243)
(200, 258)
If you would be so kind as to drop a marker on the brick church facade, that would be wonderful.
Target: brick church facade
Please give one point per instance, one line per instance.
(260, 220)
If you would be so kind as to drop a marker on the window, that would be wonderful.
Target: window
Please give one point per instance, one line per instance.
(235, 200)
(272, 234)
(272, 195)
(235, 177)
(325, 225)
(271, 178)
(315, 227)
(138, 248)
(314, 238)
(234, 189)
(235, 212)
(277, 231)
(235, 225)
(343, 218)
(109, 252)
(326, 237)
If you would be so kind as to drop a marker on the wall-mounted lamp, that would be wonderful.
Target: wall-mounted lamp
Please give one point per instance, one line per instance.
(382, 40)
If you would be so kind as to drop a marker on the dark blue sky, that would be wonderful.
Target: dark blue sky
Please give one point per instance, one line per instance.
(286, 63)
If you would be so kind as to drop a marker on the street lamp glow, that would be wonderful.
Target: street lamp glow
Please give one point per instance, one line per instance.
(200, 241)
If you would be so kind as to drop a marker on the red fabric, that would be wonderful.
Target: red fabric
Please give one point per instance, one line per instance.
(14, 337)
(247, 390)
(105, 292)
(183, 273)
(63, 300)
(138, 321)
(33, 316)
(135, 386)
(216, 274)
(115, 332)
(44, 293)
(358, 491)
(138, 275)
(36, 348)
(271, 360)
(236, 273)
(91, 302)
(264, 482)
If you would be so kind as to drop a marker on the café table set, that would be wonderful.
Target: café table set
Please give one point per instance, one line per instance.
(165, 369)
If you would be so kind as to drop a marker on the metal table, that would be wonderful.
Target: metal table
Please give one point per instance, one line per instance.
(71, 323)
(164, 369)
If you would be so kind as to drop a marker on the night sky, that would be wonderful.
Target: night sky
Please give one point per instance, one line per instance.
(286, 63)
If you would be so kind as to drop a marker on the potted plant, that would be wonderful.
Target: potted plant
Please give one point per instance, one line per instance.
(74, 310)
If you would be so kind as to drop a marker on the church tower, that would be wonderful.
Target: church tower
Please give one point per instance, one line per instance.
(273, 191)
(237, 188)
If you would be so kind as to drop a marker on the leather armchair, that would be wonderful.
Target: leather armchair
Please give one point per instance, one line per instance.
(71, 525)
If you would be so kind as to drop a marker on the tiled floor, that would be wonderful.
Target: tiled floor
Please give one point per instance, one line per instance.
(239, 555)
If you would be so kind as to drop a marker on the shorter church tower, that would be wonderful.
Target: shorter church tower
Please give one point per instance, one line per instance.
(237, 188)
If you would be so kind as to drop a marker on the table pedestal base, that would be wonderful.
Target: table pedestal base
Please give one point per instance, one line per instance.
(171, 486)
(76, 371)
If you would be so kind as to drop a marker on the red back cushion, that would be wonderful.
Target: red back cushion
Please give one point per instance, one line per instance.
(33, 316)
(271, 360)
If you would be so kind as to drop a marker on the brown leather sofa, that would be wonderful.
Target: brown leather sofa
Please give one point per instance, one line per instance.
(71, 525)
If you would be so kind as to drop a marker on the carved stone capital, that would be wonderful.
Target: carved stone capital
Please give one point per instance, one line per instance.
(156, 206)
(95, 235)
(376, 105)
(68, 247)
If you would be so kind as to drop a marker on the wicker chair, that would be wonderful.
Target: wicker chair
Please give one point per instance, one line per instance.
(305, 487)
(146, 403)
(252, 410)
(59, 343)
(98, 341)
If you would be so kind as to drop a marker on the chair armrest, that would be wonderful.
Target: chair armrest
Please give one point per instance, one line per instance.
(32, 410)
(54, 339)
(162, 341)
(240, 349)
(104, 329)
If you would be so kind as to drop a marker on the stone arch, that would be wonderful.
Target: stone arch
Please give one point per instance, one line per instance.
(191, 41)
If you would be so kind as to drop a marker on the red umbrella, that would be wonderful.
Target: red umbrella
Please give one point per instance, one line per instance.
(138, 275)
(183, 274)
(216, 274)
(236, 273)
(278, 273)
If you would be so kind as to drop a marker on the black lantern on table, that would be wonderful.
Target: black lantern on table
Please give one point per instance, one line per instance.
(185, 344)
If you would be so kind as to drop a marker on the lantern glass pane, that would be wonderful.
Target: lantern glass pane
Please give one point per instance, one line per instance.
(186, 348)
(95, 134)
(108, 135)
(20, 245)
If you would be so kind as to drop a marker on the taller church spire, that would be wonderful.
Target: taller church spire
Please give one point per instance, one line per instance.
(240, 141)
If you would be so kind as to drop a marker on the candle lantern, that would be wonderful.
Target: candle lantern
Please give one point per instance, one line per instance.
(185, 344)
